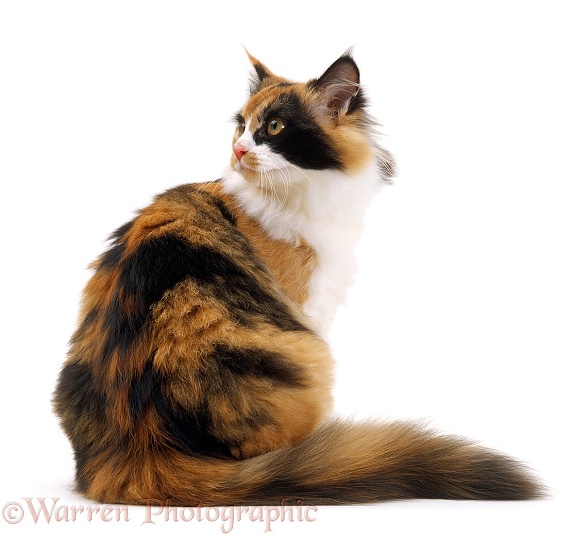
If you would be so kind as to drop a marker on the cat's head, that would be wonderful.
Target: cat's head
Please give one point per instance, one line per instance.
(286, 128)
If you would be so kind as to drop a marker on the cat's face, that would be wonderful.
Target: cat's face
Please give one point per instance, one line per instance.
(286, 128)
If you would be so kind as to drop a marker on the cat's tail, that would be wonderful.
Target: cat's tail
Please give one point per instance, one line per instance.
(341, 463)
(345, 462)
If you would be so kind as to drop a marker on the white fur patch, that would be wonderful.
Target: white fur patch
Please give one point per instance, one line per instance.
(246, 139)
(325, 208)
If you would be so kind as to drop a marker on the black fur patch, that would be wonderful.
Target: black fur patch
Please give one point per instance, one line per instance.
(358, 102)
(240, 123)
(188, 429)
(260, 363)
(159, 264)
(77, 391)
(114, 254)
(302, 142)
(90, 318)
(142, 390)
(77, 395)
(219, 203)
(257, 78)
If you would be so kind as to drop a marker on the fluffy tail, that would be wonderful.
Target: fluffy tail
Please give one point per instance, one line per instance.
(340, 463)
(344, 463)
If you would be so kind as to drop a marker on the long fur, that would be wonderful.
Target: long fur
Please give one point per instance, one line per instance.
(199, 371)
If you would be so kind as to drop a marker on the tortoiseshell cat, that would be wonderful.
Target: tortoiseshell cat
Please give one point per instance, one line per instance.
(199, 371)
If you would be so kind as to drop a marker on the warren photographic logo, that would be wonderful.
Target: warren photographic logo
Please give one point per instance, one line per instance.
(42, 510)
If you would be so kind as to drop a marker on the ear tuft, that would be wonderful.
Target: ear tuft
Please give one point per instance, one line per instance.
(339, 86)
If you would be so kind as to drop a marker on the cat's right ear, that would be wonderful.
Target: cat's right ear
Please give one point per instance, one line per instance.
(338, 89)
(260, 75)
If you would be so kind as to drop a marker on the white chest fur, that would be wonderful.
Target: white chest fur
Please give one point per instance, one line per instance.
(324, 208)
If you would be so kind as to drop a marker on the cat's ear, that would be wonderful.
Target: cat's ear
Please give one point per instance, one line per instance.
(338, 88)
(260, 75)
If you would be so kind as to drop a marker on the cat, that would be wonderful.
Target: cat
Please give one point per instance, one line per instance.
(199, 372)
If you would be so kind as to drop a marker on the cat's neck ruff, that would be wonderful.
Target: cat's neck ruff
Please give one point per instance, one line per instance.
(325, 209)
(296, 204)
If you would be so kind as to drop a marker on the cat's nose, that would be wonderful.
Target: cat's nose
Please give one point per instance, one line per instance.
(239, 150)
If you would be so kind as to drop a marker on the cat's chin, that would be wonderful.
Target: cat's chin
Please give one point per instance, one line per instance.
(250, 175)
(260, 176)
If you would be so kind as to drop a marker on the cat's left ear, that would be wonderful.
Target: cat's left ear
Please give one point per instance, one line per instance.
(261, 74)
(338, 87)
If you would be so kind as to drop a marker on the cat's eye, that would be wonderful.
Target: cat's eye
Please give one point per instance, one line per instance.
(275, 126)
(240, 124)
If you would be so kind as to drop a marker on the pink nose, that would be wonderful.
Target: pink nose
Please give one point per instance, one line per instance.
(239, 150)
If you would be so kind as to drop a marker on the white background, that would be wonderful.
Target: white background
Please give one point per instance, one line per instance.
(462, 310)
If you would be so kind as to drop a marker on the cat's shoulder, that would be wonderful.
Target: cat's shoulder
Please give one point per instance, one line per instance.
(193, 214)
(190, 201)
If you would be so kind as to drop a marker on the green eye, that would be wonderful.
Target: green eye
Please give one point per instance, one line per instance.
(275, 126)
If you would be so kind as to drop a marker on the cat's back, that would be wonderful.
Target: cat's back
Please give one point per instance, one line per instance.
(179, 304)
(184, 248)
(178, 279)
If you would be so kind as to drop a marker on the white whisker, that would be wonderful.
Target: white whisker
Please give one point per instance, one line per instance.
(282, 172)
